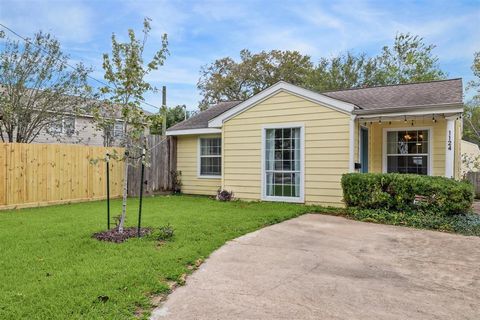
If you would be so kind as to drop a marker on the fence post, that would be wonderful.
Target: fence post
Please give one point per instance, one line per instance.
(108, 190)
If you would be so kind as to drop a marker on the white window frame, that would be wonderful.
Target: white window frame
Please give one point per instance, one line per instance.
(199, 158)
(430, 146)
(62, 126)
(114, 135)
(301, 197)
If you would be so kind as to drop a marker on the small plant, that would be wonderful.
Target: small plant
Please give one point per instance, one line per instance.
(165, 232)
(176, 181)
(116, 220)
(224, 195)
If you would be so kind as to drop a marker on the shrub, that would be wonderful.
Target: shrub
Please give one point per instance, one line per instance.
(165, 232)
(224, 195)
(466, 224)
(176, 176)
(399, 192)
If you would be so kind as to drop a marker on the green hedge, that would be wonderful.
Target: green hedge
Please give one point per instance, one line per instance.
(397, 192)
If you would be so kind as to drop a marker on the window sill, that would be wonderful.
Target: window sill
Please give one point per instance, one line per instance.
(283, 199)
(209, 177)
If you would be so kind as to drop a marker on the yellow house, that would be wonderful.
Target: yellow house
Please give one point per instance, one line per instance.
(291, 144)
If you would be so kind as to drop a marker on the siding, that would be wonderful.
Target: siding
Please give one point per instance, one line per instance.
(326, 147)
(187, 163)
(85, 133)
(438, 150)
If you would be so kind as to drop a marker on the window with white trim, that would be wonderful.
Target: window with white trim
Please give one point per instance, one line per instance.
(64, 125)
(210, 157)
(118, 129)
(408, 151)
(282, 162)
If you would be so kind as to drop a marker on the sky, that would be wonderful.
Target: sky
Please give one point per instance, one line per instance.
(199, 32)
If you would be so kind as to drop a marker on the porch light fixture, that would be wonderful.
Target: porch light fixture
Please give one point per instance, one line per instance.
(380, 120)
(389, 122)
(412, 123)
(405, 120)
(433, 118)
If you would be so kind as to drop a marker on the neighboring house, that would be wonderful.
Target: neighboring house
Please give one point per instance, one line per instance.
(470, 157)
(80, 129)
(291, 144)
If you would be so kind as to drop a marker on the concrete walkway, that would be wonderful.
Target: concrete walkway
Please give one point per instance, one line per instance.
(323, 267)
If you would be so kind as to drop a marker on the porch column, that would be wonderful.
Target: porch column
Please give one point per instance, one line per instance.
(450, 147)
(351, 162)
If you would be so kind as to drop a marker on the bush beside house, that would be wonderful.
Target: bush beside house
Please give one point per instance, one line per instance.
(412, 200)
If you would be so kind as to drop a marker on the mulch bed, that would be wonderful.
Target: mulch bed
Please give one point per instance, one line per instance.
(113, 235)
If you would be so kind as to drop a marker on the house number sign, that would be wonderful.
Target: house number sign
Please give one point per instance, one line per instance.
(449, 143)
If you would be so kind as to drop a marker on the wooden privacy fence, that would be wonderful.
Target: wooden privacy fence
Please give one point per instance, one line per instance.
(41, 174)
(474, 178)
(162, 158)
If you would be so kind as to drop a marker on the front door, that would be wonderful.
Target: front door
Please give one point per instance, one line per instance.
(364, 150)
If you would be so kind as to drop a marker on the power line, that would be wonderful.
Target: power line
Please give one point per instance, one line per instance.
(66, 63)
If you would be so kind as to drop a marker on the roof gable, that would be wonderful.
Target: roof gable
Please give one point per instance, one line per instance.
(324, 100)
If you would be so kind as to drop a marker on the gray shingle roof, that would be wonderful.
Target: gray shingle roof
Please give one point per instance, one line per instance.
(201, 120)
(366, 100)
(403, 95)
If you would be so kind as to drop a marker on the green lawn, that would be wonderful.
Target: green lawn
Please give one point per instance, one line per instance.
(51, 268)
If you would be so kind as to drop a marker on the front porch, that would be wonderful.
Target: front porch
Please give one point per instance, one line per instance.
(406, 143)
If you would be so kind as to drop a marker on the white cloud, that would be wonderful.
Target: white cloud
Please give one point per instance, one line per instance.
(68, 21)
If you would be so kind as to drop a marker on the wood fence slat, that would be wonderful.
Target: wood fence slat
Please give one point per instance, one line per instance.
(162, 159)
(41, 174)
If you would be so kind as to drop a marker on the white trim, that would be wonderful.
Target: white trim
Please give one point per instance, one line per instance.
(430, 146)
(450, 143)
(301, 198)
(351, 159)
(199, 161)
(193, 131)
(338, 105)
(411, 113)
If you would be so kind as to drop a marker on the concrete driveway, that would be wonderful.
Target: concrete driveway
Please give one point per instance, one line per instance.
(324, 267)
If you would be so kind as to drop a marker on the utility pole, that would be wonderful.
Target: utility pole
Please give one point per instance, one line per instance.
(164, 110)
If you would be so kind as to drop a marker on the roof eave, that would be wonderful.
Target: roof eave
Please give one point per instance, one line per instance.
(196, 131)
(412, 110)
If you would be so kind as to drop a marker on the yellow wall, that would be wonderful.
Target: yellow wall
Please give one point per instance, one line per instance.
(326, 147)
(187, 162)
(439, 143)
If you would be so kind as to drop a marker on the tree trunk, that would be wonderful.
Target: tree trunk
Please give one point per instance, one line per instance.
(124, 202)
(125, 182)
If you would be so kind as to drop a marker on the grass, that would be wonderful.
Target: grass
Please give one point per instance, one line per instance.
(51, 268)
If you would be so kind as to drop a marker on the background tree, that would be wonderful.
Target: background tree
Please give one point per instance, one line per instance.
(125, 72)
(343, 71)
(38, 88)
(471, 117)
(226, 79)
(174, 116)
(409, 59)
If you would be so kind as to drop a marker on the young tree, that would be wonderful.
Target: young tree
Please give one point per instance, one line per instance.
(226, 79)
(410, 59)
(38, 88)
(125, 72)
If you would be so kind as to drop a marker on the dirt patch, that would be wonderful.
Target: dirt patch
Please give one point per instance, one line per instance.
(113, 235)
